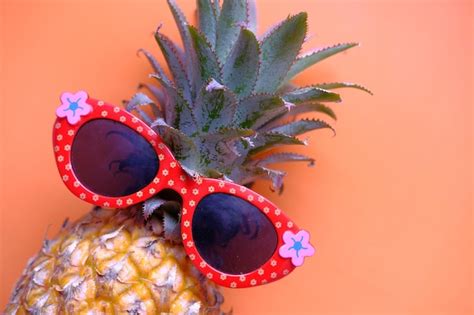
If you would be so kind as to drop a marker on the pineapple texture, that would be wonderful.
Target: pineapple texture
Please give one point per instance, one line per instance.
(113, 262)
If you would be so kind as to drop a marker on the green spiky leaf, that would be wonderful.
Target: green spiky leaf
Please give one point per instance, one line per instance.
(299, 127)
(154, 64)
(157, 93)
(137, 101)
(284, 157)
(311, 94)
(337, 85)
(252, 15)
(232, 16)
(229, 133)
(208, 65)
(251, 110)
(279, 50)
(175, 64)
(182, 25)
(182, 145)
(207, 20)
(215, 107)
(241, 68)
(178, 112)
(314, 57)
(266, 140)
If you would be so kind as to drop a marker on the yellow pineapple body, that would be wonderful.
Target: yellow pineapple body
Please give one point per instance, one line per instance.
(113, 262)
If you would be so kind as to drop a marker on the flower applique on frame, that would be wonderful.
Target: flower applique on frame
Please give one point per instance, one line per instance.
(296, 246)
(73, 106)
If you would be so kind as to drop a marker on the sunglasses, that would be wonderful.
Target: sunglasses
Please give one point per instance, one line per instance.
(110, 158)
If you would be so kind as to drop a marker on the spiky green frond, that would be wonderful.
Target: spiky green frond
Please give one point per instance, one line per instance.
(229, 100)
(242, 66)
(279, 50)
(309, 59)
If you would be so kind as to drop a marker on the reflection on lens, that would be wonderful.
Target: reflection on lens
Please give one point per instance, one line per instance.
(112, 159)
(232, 235)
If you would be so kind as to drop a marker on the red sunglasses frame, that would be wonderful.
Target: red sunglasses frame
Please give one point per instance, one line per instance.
(170, 175)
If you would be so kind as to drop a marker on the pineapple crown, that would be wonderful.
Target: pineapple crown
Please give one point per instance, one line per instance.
(229, 101)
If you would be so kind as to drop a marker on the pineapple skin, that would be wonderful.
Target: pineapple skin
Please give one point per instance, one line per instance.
(113, 262)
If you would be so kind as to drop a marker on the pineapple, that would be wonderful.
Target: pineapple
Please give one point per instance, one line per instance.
(228, 103)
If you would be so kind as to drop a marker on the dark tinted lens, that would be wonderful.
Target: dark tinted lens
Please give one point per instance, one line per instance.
(232, 235)
(112, 159)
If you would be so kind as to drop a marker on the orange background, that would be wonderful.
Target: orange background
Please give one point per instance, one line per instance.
(389, 203)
